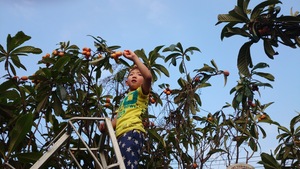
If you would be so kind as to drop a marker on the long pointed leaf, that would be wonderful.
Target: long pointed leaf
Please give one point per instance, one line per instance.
(18, 133)
(27, 49)
(244, 59)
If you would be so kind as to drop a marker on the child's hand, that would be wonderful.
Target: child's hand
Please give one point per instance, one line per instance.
(102, 127)
(129, 55)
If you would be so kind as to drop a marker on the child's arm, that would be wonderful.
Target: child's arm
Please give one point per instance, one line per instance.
(114, 122)
(142, 68)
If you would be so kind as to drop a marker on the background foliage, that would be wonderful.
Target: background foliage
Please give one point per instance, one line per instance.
(71, 82)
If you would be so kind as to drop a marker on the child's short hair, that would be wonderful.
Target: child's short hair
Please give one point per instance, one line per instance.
(131, 69)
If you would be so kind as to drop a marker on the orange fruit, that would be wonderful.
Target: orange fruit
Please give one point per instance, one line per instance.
(168, 92)
(87, 55)
(113, 55)
(210, 118)
(24, 78)
(55, 52)
(106, 104)
(118, 53)
(107, 100)
(226, 72)
(195, 165)
(61, 53)
(86, 49)
(152, 100)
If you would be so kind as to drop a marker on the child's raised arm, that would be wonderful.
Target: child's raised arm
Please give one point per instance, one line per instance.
(142, 68)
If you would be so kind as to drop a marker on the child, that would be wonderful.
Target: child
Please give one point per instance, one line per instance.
(128, 120)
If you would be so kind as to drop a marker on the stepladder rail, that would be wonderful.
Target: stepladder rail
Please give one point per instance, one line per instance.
(79, 135)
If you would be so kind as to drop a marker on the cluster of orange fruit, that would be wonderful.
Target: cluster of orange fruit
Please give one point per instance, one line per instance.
(107, 102)
(47, 55)
(86, 52)
(23, 78)
(58, 53)
(116, 55)
(167, 91)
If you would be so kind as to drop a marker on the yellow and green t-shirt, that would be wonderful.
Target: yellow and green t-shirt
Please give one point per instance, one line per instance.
(130, 111)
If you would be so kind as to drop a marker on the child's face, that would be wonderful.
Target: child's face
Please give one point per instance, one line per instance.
(134, 79)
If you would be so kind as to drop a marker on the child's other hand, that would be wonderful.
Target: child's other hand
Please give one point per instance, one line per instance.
(102, 127)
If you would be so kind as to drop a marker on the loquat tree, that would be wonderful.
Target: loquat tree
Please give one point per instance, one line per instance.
(89, 82)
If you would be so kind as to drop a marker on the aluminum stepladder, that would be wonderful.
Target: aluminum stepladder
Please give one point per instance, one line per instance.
(62, 139)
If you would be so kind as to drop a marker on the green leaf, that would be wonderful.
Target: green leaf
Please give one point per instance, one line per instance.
(198, 99)
(206, 68)
(284, 129)
(239, 13)
(17, 40)
(171, 48)
(269, 161)
(286, 40)
(2, 59)
(213, 151)
(181, 68)
(162, 69)
(41, 104)
(225, 31)
(172, 56)
(265, 75)
(61, 62)
(16, 61)
(244, 59)
(141, 54)
(156, 136)
(178, 45)
(228, 18)
(237, 31)
(253, 144)
(243, 4)
(28, 157)
(5, 86)
(214, 64)
(270, 52)
(22, 127)
(191, 49)
(260, 66)
(26, 49)
(61, 92)
(57, 105)
(2, 51)
(257, 10)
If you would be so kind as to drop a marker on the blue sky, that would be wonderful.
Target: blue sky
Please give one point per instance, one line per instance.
(137, 24)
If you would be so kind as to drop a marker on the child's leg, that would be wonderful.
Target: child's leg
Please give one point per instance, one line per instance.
(131, 144)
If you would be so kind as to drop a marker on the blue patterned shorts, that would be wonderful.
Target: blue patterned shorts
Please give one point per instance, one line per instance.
(131, 144)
